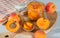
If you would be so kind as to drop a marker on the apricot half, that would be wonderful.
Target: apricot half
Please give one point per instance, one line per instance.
(43, 23)
(13, 23)
(28, 26)
(12, 26)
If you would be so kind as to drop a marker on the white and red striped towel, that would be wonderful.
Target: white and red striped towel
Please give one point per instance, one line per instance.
(8, 6)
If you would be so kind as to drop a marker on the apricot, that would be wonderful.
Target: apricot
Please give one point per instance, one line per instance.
(36, 7)
(43, 23)
(13, 23)
(33, 16)
(39, 34)
(28, 26)
(14, 17)
(34, 10)
(50, 8)
(12, 26)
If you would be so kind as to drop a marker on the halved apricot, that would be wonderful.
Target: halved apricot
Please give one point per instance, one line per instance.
(43, 23)
(13, 22)
(12, 26)
(28, 26)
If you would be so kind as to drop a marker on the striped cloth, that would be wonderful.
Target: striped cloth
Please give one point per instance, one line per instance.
(8, 6)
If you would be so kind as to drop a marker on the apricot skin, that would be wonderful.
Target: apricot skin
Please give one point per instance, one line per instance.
(39, 34)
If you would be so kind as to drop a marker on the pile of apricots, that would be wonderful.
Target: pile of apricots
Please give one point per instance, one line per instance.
(35, 13)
